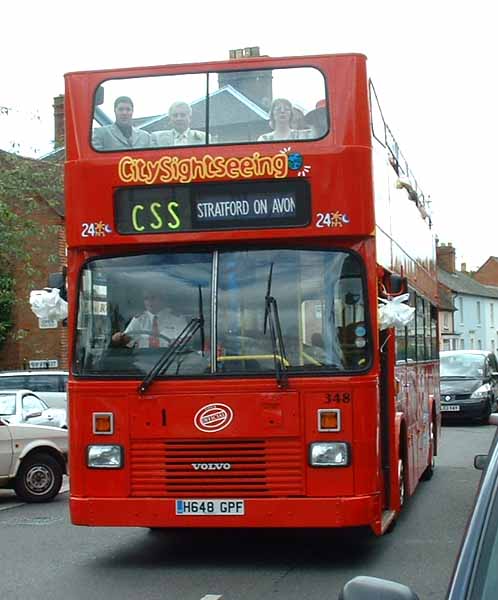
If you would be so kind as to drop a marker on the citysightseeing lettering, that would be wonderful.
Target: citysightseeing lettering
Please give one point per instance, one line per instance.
(170, 169)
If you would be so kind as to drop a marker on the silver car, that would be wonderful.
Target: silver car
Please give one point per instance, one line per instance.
(49, 385)
(24, 406)
(33, 460)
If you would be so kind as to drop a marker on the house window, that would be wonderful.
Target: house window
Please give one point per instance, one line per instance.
(462, 345)
(479, 344)
(446, 321)
(478, 308)
(492, 345)
(471, 343)
(492, 314)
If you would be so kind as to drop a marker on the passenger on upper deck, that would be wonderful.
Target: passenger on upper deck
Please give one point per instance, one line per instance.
(317, 119)
(281, 113)
(298, 121)
(121, 134)
(180, 115)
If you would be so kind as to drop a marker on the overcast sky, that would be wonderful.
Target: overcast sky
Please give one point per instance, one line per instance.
(433, 63)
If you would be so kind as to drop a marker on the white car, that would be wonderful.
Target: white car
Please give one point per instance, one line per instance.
(50, 386)
(33, 460)
(24, 406)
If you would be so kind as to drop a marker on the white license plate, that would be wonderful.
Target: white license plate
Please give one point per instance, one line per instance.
(450, 408)
(199, 507)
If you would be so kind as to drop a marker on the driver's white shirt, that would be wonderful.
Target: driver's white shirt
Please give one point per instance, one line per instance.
(170, 325)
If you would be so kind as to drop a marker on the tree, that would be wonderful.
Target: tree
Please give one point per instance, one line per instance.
(24, 183)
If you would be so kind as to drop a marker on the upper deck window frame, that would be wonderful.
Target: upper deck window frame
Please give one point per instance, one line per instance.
(155, 142)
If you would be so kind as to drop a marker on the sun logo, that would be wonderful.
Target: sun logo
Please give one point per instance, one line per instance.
(304, 171)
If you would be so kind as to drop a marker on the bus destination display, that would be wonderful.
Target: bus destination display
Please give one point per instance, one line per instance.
(203, 207)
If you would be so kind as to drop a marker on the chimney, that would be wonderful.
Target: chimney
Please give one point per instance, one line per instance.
(59, 121)
(446, 257)
(256, 85)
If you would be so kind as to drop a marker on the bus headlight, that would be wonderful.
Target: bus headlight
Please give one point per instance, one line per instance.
(329, 454)
(104, 456)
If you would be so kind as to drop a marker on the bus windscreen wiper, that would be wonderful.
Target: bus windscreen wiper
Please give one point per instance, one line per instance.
(277, 341)
(177, 346)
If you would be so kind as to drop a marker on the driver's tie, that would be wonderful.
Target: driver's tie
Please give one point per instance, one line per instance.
(154, 338)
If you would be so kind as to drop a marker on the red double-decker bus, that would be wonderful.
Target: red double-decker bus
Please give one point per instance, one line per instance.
(227, 249)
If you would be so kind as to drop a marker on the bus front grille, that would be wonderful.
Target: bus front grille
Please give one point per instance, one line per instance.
(217, 469)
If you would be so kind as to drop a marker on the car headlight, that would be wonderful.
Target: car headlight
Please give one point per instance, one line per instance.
(330, 454)
(482, 392)
(104, 456)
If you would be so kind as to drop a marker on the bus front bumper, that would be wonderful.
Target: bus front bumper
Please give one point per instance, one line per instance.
(260, 512)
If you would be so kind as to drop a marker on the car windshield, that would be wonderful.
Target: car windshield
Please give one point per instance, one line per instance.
(7, 404)
(462, 365)
(318, 303)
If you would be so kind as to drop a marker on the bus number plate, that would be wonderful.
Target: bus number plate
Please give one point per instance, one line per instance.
(210, 507)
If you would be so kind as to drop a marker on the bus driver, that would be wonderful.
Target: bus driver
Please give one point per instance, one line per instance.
(156, 327)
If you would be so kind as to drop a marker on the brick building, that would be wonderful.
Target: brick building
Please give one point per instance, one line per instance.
(26, 341)
(488, 272)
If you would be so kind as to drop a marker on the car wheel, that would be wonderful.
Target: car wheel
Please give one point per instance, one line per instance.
(487, 412)
(39, 478)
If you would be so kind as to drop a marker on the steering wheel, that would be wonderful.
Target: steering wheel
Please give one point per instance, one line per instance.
(150, 334)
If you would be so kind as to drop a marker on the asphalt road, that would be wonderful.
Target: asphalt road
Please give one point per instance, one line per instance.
(44, 557)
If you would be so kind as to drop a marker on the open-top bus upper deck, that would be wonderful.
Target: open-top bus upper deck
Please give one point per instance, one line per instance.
(234, 181)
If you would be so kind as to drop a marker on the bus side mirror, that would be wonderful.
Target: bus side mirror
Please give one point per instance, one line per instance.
(99, 96)
(397, 285)
(58, 280)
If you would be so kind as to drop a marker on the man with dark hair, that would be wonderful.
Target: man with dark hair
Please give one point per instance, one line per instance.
(121, 135)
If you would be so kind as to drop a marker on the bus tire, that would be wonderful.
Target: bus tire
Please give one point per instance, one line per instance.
(401, 482)
(39, 478)
(431, 464)
(402, 494)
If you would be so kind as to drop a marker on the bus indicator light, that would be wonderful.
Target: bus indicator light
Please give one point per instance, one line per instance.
(103, 423)
(329, 419)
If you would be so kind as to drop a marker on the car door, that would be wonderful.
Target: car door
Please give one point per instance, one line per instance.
(5, 450)
(31, 404)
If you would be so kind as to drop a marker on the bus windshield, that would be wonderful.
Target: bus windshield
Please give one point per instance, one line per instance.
(196, 109)
(131, 309)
